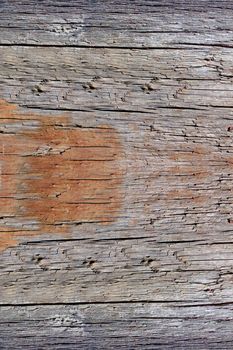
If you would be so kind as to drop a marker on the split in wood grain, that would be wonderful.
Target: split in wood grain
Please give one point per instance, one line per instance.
(54, 173)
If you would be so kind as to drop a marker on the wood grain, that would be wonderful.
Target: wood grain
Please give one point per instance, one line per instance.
(131, 247)
(55, 174)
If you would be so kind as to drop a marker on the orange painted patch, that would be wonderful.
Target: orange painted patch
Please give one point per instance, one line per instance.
(54, 174)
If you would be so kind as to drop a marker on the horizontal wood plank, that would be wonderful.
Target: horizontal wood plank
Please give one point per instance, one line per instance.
(129, 326)
(138, 24)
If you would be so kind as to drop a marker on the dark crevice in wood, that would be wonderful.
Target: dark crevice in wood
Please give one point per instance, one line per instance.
(110, 47)
(124, 302)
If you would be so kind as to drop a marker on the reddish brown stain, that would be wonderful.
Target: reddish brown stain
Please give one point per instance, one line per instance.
(55, 173)
(189, 175)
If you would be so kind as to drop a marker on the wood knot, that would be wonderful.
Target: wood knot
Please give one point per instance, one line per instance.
(92, 264)
(151, 263)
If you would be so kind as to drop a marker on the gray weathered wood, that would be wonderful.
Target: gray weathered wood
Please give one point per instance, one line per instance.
(128, 326)
(159, 275)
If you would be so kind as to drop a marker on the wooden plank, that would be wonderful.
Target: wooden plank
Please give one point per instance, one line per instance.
(127, 325)
(88, 79)
(127, 24)
(116, 174)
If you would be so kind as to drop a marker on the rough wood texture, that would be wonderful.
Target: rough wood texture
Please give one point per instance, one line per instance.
(116, 121)
(55, 173)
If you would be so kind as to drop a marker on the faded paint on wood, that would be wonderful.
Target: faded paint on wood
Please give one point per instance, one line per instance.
(55, 173)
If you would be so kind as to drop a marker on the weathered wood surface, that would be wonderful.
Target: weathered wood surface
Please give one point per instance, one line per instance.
(116, 160)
